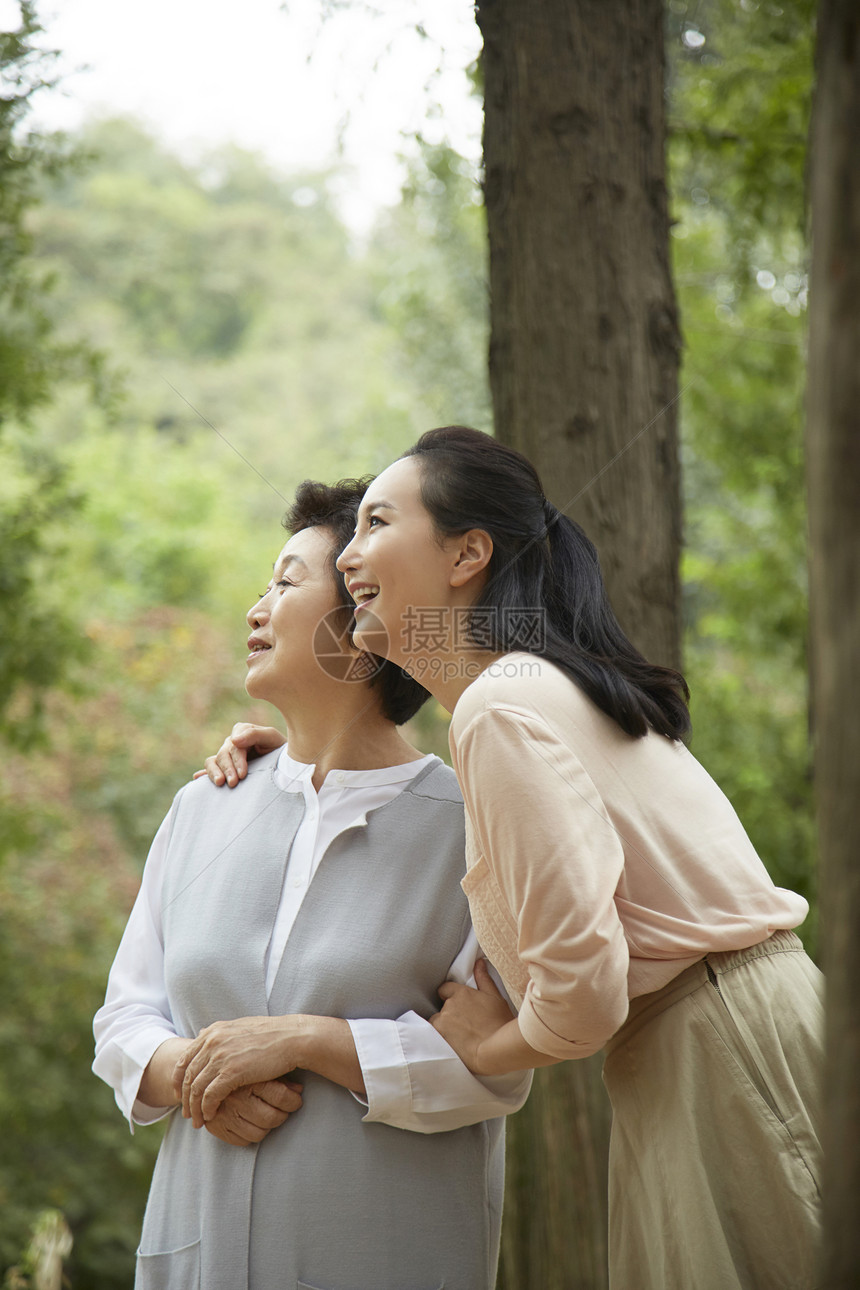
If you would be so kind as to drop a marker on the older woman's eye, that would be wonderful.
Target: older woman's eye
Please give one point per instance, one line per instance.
(284, 582)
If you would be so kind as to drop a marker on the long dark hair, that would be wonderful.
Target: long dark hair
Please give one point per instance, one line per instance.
(334, 507)
(543, 561)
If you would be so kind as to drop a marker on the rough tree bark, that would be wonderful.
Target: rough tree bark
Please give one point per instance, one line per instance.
(584, 356)
(584, 347)
(833, 455)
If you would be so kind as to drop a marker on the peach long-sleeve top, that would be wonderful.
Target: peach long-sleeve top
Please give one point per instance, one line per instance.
(599, 865)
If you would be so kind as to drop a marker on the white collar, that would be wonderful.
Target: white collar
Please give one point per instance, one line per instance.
(295, 776)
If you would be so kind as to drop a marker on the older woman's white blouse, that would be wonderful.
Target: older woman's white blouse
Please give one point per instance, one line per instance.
(413, 1079)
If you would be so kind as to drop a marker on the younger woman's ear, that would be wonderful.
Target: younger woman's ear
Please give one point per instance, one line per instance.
(473, 554)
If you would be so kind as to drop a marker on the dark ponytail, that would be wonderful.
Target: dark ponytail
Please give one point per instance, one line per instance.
(544, 586)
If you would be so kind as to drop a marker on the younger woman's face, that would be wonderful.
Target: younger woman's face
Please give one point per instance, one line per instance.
(397, 569)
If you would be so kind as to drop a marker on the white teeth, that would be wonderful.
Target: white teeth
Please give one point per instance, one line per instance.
(366, 593)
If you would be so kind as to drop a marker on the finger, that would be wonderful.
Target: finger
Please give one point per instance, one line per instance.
(198, 774)
(274, 1094)
(245, 734)
(278, 1095)
(484, 981)
(192, 1072)
(239, 761)
(262, 1115)
(212, 1096)
(214, 771)
(448, 989)
(256, 740)
(181, 1067)
(224, 758)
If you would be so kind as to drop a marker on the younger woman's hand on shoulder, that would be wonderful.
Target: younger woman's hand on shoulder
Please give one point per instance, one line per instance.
(245, 742)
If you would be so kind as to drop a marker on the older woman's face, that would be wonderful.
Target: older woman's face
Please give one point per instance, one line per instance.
(286, 620)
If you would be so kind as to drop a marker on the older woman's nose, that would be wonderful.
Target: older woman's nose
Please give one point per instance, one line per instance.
(257, 614)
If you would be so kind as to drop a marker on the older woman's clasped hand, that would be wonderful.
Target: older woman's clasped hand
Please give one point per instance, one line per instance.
(471, 1016)
(248, 1114)
(228, 1055)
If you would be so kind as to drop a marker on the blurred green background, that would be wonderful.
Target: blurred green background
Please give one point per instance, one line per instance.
(157, 312)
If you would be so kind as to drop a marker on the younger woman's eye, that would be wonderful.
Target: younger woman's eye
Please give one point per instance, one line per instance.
(374, 519)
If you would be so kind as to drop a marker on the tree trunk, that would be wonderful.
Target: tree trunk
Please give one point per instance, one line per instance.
(584, 345)
(833, 454)
(584, 354)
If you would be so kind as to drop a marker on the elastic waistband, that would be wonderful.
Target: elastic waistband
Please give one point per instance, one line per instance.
(781, 942)
(646, 1006)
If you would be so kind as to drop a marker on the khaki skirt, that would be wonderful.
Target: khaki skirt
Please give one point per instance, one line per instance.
(715, 1149)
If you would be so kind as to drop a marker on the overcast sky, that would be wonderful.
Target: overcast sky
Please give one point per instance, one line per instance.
(271, 76)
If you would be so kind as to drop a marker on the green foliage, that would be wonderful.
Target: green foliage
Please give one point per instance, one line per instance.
(64, 1145)
(740, 114)
(25, 368)
(35, 645)
(433, 293)
(741, 81)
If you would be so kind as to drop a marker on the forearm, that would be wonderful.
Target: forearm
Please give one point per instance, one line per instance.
(506, 1050)
(156, 1086)
(325, 1046)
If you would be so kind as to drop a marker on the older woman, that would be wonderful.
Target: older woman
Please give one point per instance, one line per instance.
(301, 924)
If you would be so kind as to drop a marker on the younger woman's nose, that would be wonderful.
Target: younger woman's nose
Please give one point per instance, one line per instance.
(348, 557)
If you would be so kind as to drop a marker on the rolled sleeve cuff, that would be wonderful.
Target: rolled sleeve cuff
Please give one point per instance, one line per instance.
(414, 1079)
(134, 1055)
(539, 1035)
(384, 1067)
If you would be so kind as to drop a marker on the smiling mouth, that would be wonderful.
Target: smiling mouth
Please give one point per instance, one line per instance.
(257, 647)
(365, 596)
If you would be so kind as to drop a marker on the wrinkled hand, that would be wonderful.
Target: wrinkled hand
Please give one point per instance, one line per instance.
(247, 1114)
(468, 1016)
(243, 744)
(227, 1055)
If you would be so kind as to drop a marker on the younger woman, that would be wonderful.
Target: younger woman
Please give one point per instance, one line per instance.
(609, 879)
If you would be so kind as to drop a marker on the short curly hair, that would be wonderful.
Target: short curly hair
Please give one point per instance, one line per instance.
(334, 507)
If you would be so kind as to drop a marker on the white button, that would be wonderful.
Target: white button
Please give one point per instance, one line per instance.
(297, 882)
(340, 777)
